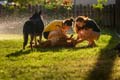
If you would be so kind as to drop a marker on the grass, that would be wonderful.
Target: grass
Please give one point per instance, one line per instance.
(99, 63)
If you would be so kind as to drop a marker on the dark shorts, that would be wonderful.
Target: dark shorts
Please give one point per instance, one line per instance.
(45, 34)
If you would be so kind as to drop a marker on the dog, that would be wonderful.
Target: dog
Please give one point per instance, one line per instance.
(33, 27)
(62, 42)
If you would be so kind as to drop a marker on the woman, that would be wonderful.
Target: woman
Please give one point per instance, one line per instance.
(87, 29)
(55, 25)
(55, 33)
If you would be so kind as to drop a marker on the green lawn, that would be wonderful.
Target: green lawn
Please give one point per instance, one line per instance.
(99, 63)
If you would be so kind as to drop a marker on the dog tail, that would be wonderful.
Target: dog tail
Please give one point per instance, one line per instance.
(25, 33)
(25, 36)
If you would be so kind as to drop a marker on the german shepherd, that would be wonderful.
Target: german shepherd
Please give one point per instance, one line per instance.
(33, 27)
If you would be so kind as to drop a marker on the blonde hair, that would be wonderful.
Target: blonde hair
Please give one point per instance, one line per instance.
(82, 17)
(79, 18)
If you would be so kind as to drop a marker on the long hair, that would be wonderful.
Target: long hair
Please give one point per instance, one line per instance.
(79, 19)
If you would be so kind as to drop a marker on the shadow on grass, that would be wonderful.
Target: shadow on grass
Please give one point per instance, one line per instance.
(52, 49)
(24, 52)
(102, 69)
(18, 53)
(59, 49)
(82, 47)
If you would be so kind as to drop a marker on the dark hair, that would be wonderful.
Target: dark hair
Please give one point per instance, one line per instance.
(79, 19)
(68, 22)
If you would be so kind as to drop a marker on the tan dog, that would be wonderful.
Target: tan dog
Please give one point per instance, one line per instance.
(60, 42)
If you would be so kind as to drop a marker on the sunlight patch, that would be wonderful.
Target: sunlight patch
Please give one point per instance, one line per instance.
(10, 36)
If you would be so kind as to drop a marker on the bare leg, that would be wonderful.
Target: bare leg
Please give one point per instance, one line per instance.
(91, 43)
(79, 40)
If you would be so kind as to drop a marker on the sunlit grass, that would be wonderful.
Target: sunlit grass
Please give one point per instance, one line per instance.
(55, 63)
(10, 36)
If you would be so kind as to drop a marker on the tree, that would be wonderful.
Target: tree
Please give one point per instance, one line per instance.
(24, 2)
(100, 4)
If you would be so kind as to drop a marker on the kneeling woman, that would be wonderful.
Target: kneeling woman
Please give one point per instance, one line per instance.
(55, 33)
(87, 29)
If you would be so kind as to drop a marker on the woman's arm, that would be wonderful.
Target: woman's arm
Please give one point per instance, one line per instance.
(75, 28)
